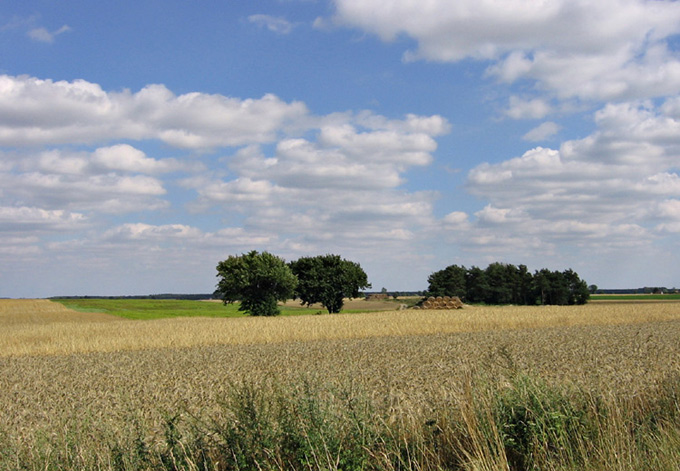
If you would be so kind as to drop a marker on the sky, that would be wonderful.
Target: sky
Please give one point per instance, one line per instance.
(141, 142)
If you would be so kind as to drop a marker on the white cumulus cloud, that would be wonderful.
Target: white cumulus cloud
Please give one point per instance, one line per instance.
(617, 188)
(24, 218)
(610, 49)
(43, 112)
(519, 108)
(542, 132)
(43, 35)
(339, 183)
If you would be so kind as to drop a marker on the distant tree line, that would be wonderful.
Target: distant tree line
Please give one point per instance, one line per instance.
(645, 290)
(503, 283)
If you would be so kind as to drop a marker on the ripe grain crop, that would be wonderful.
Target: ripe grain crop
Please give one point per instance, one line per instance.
(42, 311)
(69, 332)
(414, 390)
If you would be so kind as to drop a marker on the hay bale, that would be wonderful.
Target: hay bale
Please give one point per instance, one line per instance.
(442, 302)
(455, 303)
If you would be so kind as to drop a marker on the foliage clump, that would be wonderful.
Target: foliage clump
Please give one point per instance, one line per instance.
(260, 280)
(257, 280)
(328, 279)
(502, 283)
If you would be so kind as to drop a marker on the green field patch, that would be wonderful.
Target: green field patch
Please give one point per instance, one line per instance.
(148, 309)
(635, 297)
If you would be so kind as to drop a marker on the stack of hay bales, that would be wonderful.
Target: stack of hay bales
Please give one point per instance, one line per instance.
(442, 302)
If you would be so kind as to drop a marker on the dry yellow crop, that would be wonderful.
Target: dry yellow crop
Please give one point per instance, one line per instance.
(46, 328)
(43, 311)
(102, 378)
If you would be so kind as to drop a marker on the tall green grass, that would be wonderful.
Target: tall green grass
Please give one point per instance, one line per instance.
(513, 423)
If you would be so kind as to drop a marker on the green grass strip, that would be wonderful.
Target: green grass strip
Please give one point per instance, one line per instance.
(148, 309)
(635, 297)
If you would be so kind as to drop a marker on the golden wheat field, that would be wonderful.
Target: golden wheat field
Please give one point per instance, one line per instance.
(62, 370)
(42, 327)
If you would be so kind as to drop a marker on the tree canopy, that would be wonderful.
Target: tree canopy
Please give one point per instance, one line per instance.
(257, 280)
(502, 283)
(328, 279)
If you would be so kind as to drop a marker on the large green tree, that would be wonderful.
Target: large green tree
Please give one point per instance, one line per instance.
(448, 282)
(476, 285)
(257, 280)
(502, 283)
(578, 288)
(328, 279)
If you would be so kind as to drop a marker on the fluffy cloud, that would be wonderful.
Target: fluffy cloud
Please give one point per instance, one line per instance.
(542, 132)
(289, 182)
(452, 31)
(125, 158)
(45, 36)
(143, 237)
(142, 231)
(119, 158)
(669, 211)
(340, 157)
(37, 219)
(435, 125)
(519, 108)
(339, 187)
(598, 193)
(357, 152)
(617, 188)
(43, 112)
(22, 229)
(130, 258)
(114, 179)
(386, 146)
(610, 49)
(104, 193)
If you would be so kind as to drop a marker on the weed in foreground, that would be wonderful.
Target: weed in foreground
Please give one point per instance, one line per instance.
(517, 423)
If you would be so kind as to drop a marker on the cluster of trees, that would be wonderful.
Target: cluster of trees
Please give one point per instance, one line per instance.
(260, 280)
(502, 283)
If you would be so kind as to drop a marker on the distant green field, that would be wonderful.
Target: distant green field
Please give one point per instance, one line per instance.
(634, 297)
(143, 309)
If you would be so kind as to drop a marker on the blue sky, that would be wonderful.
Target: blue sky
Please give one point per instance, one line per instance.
(142, 142)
